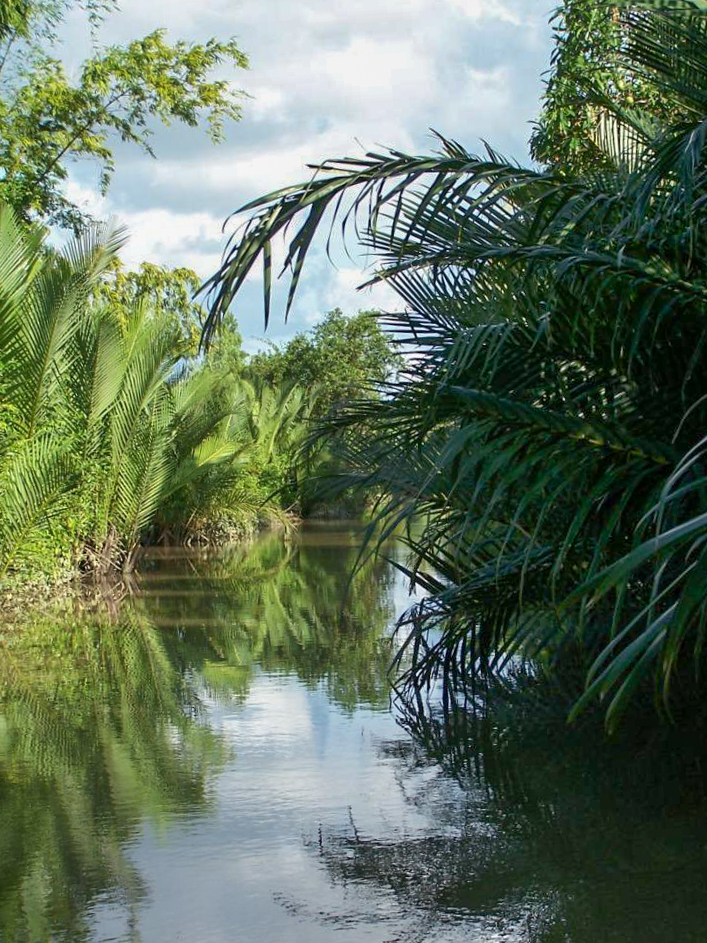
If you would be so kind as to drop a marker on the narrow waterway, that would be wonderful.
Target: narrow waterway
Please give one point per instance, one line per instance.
(215, 758)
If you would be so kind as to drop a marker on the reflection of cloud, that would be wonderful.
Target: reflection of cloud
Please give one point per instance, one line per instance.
(275, 713)
(247, 868)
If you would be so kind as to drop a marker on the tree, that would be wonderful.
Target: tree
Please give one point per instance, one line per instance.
(47, 121)
(548, 429)
(168, 293)
(226, 354)
(595, 104)
(342, 357)
(342, 360)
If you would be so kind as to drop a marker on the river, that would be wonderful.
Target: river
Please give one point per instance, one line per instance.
(215, 759)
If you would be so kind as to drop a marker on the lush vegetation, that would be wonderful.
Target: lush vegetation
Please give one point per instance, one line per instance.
(342, 359)
(542, 439)
(115, 430)
(547, 432)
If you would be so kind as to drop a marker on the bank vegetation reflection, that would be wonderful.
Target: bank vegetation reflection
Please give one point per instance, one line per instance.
(102, 721)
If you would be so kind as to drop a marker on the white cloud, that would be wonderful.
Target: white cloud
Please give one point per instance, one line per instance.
(328, 78)
(493, 9)
(158, 234)
(344, 292)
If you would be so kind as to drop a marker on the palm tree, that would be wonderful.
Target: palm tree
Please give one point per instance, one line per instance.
(106, 430)
(548, 430)
(43, 327)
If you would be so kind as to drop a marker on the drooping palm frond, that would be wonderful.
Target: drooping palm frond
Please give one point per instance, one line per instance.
(552, 406)
(375, 182)
(34, 480)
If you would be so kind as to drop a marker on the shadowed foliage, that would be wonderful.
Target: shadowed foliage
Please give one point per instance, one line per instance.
(548, 430)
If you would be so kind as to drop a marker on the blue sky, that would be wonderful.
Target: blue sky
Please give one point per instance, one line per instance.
(327, 79)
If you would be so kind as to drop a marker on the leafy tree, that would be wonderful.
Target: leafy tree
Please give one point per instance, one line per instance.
(342, 357)
(168, 293)
(340, 361)
(547, 433)
(595, 104)
(13, 16)
(48, 120)
(226, 353)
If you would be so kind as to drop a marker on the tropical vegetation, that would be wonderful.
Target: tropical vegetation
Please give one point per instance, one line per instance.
(115, 430)
(111, 434)
(544, 441)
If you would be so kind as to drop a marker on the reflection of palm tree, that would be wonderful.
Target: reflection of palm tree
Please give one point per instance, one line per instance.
(287, 607)
(539, 830)
(96, 731)
(99, 714)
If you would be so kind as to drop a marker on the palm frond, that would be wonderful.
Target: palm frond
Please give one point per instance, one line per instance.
(35, 478)
(547, 414)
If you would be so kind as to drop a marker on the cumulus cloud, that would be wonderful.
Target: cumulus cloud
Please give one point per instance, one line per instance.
(327, 78)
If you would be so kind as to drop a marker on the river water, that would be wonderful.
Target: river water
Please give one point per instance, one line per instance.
(215, 759)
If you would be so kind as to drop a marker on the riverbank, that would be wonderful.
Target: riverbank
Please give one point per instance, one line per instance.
(34, 589)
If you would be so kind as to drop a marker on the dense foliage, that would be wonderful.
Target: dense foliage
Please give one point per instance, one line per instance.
(342, 356)
(596, 108)
(343, 359)
(547, 433)
(115, 430)
(110, 432)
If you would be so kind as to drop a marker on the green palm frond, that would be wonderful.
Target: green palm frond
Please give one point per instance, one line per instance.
(547, 414)
(46, 373)
(375, 181)
(144, 471)
(139, 426)
(45, 320)
(35, 478)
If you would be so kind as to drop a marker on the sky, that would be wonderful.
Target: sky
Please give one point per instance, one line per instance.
(326, 79)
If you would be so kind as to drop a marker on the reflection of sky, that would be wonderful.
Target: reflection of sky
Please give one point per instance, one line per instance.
(249, 870)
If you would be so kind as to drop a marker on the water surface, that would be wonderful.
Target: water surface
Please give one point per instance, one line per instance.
(215, 759)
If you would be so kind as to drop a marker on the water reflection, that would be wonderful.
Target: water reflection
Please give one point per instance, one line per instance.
(543, 834)
(282, 606)
(214, 759)
(102, 719)
(97, 731)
